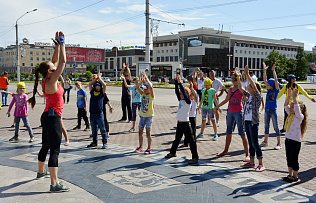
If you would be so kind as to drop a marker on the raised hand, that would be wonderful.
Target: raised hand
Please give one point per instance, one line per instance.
(124, 65)
(290, 92)
(246, 69)
(237, 71)
(295, 92)
(265, 67)
(273, 67)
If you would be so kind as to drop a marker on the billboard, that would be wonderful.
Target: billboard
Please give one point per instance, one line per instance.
(84, 54)
(195, 41)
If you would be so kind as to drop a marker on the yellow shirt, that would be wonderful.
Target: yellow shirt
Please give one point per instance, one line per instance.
(147, 106)
(300, 89)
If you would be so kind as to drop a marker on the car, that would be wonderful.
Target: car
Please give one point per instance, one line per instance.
(172, 81)
(282, 81)
(228, 79)
(185, 80)
(83, 80)
(106, 79)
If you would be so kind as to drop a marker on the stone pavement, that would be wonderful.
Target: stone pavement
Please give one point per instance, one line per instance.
(117, 174)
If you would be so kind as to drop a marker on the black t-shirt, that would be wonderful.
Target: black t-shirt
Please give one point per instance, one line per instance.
(96, 101)
(125, 90)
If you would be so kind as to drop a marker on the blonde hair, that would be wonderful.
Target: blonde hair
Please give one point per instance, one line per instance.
(304, 122)
(78, 83)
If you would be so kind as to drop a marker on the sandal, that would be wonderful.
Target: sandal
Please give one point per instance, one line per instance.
(193, 161)
(221, 154)
(170, 156)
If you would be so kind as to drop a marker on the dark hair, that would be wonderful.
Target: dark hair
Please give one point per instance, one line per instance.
(288, 85)
(5, 72)
(43, 67)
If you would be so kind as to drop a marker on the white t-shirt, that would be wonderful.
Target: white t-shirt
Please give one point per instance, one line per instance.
(248, 109)
(192, 112)
(244, 84)
(67, 86)
(183, 111)
(254, 78)
(217, 85)
(200, 84)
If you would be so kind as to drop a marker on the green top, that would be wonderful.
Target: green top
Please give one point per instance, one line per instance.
(207, 98)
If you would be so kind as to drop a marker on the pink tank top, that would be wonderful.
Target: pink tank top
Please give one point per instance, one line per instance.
(235, 101)
(54, 101)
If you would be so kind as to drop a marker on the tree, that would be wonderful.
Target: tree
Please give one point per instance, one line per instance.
(92, 68)
(301, 64)
(88, 75)
(281, 68)
(26, 75)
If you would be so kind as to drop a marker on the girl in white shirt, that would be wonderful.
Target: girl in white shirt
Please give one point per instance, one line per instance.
(295, 126)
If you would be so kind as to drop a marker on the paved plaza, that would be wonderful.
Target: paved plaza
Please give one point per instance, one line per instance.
(117, 174)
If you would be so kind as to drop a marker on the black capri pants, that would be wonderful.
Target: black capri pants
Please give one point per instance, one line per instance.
(292, 149)
(51, 138)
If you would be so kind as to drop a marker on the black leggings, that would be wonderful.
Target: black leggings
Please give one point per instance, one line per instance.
(106, 123)
(292, 149)
(193, 127)
(51, 138)
(82, 114)
(126, 104)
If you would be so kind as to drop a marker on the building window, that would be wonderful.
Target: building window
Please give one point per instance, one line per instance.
(158, 51)
(266, 53)
(43, 59)
(176, 50)
(167, 58)
(130, 60)
(171, 50)
(162, 59)
(32, 64)
(249, 52)
(37, 58)
(48, 53)
(48, 59)
(37, 53)
(236, 51)
(240, 51)
(43, 53)
(261, 53)
(257, 52)
(171, 58)
(31, 58)
(158, 59)
(253, 52)
(23, 64)
(176, 58)
(31, 52)
(162, 51)
(167, 51)
(245, 52)
(141, 58)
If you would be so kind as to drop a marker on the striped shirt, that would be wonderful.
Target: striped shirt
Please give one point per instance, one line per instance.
(256, 103)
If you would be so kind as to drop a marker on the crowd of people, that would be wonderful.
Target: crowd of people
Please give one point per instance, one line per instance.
(244, 98)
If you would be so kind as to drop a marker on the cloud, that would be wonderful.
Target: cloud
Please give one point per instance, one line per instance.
(122, 1)
(209, 15)
(311, 27)
(106, 10)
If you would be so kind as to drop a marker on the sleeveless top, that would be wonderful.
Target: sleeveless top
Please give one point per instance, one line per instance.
(54, 101)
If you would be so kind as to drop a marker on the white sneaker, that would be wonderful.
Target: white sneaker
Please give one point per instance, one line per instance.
(278, 147)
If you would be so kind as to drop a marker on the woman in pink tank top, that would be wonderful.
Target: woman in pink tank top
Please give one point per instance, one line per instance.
(51, 117)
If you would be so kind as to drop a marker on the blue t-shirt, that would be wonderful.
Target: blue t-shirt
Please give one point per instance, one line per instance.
(136, 97)
(96, 101)
(271, 102)
(81, 94)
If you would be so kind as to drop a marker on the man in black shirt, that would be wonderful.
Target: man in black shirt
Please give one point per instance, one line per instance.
(126, 95)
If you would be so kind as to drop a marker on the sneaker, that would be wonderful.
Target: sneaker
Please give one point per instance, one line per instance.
(132, 130)
(87, 128)
(76, 128)
(12, 126)
(248, 165)
(92, 145)
(200, 135)
(263, 144)
(260, 168)
(105, 146)
(139, 149)
(122, 120)
(215, 137)
(59, 188)
(148, 151)
(13, 139)
(193, 161)
(129, 121)
(31, 139)
(45, 174)
(208, 122)
(278, 147)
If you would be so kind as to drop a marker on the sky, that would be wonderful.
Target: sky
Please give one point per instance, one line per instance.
(108, 23)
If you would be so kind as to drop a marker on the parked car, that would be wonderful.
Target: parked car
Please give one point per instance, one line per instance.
(172, 81)
(185, 80)
(228, 79)
(282, 81)
(163, 79)
(106, 79)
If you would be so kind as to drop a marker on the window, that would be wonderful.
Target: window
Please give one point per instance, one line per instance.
(48, 59)
(158, 52)
(162, 59)
(171, 50)
(261, 53)
(130, 60)
(37, 58)
(266, 53)
(171, 58)
(253, 52)
(23, 64)
(31, 52)
(236, 51)
(43, 53)
(249, 52)
(158, 59)
(240, 51)
(176, 50)
(167, 58)
(31, 58)
(167, 51)
(257, 52)
(176, 58)
(37, 53)
(31, 64)
(245, 52)
(49, 53)
(43, 59)
(162, 51)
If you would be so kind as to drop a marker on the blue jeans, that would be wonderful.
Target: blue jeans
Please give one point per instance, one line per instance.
(271, 114)
(4, 97)
(253, 141)
(209, 112)
(97, 121)
(26, 123)
(230, 118)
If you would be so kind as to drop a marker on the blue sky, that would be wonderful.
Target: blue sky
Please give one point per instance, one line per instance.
(92, 23)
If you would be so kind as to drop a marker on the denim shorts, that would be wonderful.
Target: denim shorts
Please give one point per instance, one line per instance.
(145, 121)
(209, 112)
(271, 114)
(230, 120)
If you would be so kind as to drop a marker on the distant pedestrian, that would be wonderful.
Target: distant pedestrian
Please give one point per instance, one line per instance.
(251, 118)
(21, 112)
(146, 112)
(220, 89)
(4, 85)
(82, 107)
(253, 76)
(97, 89)
(200, 83)
(136, 100)
(295, 126)
(183, 122)
(126, 95)
(67, 87)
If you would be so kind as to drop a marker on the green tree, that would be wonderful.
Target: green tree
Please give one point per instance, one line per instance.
(26, 75)
(301, 64)
(281, 61)
(92, 68)
(88, 75)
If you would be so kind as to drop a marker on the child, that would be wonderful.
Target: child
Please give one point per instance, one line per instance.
(207, 103)
(146, 113)
(251, 118)
(82, 107)
(136, 99)
(97, 89)
(21, 111)
(295, 126)
(183, 125)
(273, 89)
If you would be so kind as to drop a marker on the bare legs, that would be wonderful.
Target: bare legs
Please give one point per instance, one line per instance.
(149, 139)
(64, 132)
(227, 144)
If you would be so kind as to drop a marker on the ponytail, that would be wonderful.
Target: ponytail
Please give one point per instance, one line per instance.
(304, 122)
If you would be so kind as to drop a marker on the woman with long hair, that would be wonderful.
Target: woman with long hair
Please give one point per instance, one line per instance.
(51, 117)
(293, 85)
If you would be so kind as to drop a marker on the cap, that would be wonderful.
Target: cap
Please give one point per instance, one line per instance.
(21, 85)
(208, 81)
(291, 76)
(97, 83)
(145, 86)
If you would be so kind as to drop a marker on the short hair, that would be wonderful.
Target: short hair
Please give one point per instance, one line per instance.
(136, 78)
(78, 83)
(5, 72)
(250, 72)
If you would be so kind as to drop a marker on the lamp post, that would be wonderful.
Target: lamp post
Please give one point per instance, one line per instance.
(17, 44)
(182, 57)
(115, 58)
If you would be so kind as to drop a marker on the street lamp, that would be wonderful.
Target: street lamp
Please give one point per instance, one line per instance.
(229, 55)
(17, 44)
(115, 58)
(182, 58)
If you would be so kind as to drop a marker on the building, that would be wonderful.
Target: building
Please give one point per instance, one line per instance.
(219, 50)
